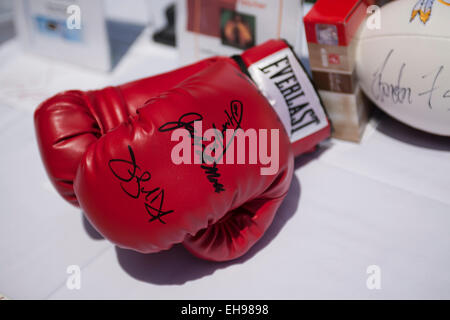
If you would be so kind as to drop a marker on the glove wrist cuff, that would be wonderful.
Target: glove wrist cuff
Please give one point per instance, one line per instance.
(282, 79)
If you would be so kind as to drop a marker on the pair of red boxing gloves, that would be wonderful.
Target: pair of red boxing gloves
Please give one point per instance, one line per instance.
(120, 153)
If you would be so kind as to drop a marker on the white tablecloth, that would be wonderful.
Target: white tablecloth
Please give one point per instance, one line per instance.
(384, 202)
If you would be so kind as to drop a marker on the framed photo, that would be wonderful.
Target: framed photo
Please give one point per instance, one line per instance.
(73, 31)
(237, 29)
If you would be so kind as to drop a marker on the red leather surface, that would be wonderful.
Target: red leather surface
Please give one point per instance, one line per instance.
(69, 122)
(118, 170)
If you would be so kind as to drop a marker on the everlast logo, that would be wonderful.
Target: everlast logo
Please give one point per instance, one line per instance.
(283, 76)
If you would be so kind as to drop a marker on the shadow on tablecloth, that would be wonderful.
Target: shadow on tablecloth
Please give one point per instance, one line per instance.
(177, 266)
(399, 131)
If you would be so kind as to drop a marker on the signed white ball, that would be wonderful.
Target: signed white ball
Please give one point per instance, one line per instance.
(404, 66)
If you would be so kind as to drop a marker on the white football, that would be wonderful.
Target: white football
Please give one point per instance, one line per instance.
(404, 66)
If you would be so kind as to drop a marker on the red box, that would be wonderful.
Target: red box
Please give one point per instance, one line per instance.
(335, 22)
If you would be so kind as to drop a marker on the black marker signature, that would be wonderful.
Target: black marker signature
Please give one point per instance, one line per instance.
(233, 121)
(234, 116)
(447, 96)
(131, 177)
(382, 90)
(186, 121)
(434, 88)
(213, 176)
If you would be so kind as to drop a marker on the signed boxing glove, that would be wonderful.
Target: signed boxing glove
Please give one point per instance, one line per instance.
(69, 122)
(136, 192)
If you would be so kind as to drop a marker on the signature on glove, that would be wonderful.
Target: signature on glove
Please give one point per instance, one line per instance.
(132, 179)
(219, 147)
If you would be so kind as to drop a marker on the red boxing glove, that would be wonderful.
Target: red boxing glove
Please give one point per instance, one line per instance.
(119, 183)
(69, 122)
(136, 196)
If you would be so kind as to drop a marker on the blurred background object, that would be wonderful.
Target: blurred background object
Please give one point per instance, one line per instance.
(96, 34)
(226, 27)
(6, 7)
(132, 11)
(158, 12)
(6, 20)
(166, 35)
(113, 46)
(332, 29)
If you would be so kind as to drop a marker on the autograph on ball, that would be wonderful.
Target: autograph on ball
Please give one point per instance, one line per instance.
(398, 93)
